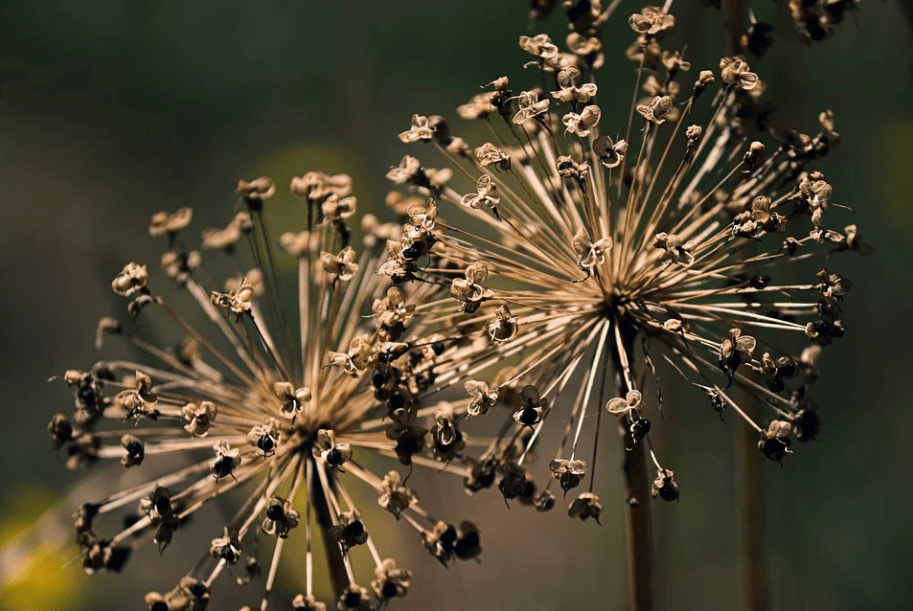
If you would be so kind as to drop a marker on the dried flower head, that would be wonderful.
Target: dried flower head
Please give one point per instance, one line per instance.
(813, 20)
(604, 260)
(283, 406)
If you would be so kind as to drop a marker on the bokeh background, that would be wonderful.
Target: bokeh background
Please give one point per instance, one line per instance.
(111, 111)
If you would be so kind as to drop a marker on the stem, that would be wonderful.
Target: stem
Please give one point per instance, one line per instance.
(733, 11)
(339, 578)
(638, 521)
(754, 567)
(634, 467)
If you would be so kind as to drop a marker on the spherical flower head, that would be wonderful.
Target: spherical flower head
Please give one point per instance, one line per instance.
(586, 261)
(285, 409)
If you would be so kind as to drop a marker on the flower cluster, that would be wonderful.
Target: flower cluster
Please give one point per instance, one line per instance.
(579, 260)
(573, 253)
(285, 405)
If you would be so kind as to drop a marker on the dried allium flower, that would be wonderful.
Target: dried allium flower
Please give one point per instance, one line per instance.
(602, 260)
(285, 410)
(813, 20)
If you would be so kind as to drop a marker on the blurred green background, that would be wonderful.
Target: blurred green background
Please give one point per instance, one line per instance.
(111, 111)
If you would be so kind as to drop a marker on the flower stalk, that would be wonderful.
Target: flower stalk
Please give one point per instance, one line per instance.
(634, 467)
(339, 577)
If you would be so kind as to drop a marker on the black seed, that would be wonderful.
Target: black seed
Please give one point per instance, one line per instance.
(397, 401)
(407, 445)
(808, 425)
(162, 505)
(448, 539)
(355, 529)
(117, 558)
(351, 599)
(467, 545)
(821, 325)
(222, 467)
(275, 513)
(228, 554)
(668, 492)
(266, 444)
(528, 416)
(334, 457)
(759, 282)
(775, 383)
(640, 428)
(786, 367)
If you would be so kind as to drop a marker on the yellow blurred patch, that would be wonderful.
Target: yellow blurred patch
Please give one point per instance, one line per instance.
(39, 580)
(44, 583)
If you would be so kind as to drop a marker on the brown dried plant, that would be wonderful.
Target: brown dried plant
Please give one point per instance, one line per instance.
(585, 256)
(288, 407)
(813, 20)
(587, 263)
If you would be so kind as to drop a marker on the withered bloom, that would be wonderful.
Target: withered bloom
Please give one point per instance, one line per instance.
(608, 262)
(813, 21)
(284, 405)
